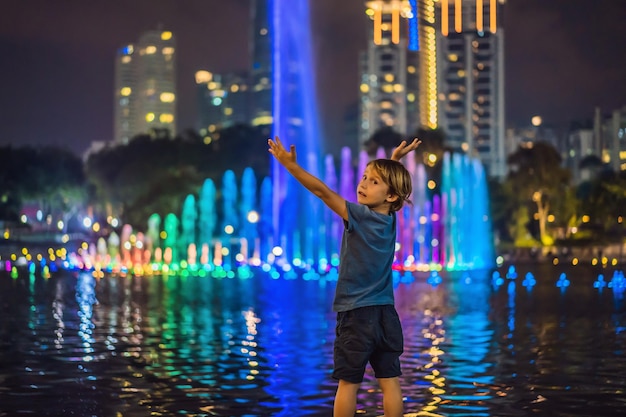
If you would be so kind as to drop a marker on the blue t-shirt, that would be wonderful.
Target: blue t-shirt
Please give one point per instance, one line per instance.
(367, 251)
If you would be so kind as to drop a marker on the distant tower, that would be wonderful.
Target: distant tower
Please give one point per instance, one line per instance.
(261, 92)
(388, 72)
(145, 86)
(124, 106)
(222, 101)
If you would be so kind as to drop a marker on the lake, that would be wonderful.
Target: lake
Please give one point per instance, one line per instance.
(257, 344)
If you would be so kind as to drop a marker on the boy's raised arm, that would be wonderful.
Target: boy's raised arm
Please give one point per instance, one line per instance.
(316, 186)
(402, 149)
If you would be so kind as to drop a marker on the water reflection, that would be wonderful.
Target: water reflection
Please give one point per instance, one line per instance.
(194, 345)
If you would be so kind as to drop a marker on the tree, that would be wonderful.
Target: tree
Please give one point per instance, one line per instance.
(536, 176)
(385, 138)
(154, 175)
(603, 200)
(49, 177)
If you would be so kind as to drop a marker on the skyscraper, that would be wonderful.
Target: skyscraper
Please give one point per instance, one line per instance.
(261, 64)
(456, 83)
(469, 77)
(388, 72)
(222, 100)
(145, 86)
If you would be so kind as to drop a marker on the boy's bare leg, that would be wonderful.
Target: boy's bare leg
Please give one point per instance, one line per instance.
(392, 397)
(345, 399)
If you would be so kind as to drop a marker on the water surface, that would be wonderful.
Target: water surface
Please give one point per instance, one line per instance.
(72, 344)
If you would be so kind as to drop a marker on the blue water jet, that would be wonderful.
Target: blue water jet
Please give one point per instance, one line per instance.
(296, 213)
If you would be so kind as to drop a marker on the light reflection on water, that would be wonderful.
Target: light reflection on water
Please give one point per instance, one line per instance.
(198, 346)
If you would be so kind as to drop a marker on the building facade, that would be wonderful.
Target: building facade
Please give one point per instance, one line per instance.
(222, 101)
(469, 46)
(453, 82)
(388, 72)
(145, 86)
(260, 75)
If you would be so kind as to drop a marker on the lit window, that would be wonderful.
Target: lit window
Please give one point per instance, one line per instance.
(166, 118)
(166, 36)
(167, 97)
(203, 77)
(125, 91)
(150, 117)
(168, 50)
(151, 49)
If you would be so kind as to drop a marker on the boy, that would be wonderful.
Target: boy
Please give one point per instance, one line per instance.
(368, 328)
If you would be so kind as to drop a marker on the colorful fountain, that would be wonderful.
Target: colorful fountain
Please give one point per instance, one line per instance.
(280, 225)
(451, 230)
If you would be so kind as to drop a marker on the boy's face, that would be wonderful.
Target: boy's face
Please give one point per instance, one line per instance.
(373, 192)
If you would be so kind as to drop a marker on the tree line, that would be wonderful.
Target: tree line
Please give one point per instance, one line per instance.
(536, 204)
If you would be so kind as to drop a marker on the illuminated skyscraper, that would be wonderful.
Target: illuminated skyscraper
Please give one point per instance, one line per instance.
(222, 101)
(124, 105)
(388, 72)
(145, 86)
(460, 73)
(470, 79)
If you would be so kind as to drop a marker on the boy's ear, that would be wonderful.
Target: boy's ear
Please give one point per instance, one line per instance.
(391, 198)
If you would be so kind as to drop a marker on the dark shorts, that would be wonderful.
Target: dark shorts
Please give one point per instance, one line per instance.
(368, 334)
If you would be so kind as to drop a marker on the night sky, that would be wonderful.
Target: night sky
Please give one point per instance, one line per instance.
(563, 58)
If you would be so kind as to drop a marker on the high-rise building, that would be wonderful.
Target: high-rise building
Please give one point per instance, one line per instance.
(222, 100)
(469, 78)
(261, 65)
(581, 148)
(610, 137)
(240, 97)
(457, 82)
(389, 72)
(145, 86)
(598, 144)
(124, 105)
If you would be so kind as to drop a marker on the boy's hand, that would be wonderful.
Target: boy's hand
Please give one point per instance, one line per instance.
(402, 149)
(280, 153)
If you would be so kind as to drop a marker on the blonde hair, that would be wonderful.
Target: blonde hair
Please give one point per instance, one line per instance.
(397, 178)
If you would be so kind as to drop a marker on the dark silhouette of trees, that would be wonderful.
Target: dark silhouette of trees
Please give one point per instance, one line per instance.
(154, 175)
(385, 138)
(49, 177)
(603, 199)
(537, 180)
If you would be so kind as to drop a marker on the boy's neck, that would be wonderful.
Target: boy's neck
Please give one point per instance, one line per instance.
(382, 209)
